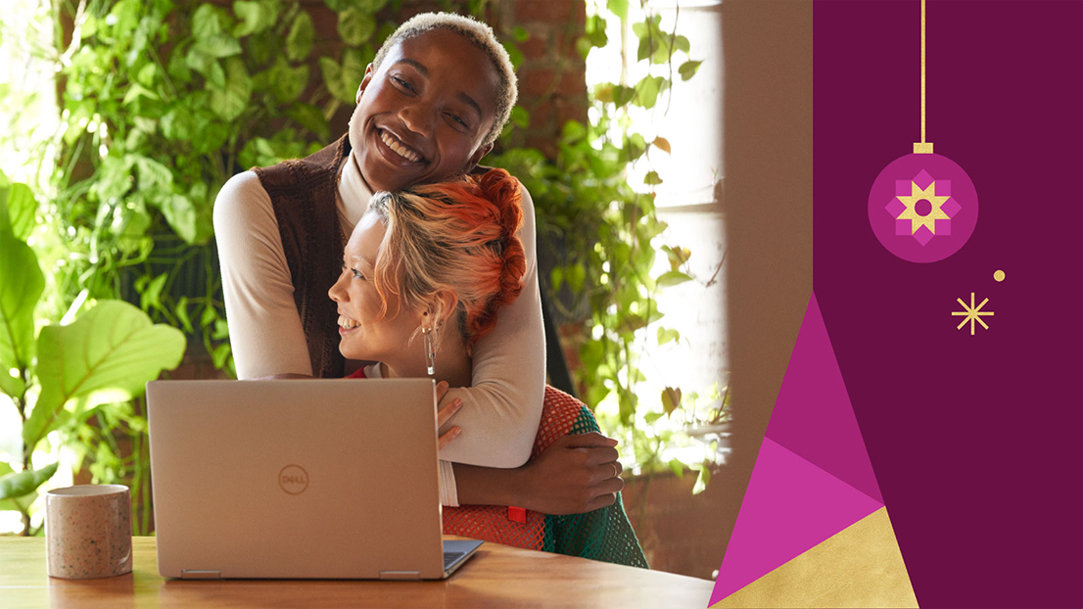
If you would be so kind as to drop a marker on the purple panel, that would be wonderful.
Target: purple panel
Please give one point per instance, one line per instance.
(975, 440)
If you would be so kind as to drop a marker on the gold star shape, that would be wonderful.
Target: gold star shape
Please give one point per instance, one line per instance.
(971, 313)
(935, 212)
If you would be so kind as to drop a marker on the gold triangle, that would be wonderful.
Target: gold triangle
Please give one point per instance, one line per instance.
(860, 566)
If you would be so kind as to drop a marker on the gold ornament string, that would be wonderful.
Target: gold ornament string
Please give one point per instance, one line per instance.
(923, 147)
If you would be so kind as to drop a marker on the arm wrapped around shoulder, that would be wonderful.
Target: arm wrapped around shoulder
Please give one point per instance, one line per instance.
(600, 531)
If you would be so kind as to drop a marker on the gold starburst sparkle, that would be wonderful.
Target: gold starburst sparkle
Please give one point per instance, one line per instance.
(971, 313)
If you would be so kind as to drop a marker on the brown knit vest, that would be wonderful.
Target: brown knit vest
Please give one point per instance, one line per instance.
(302, 194)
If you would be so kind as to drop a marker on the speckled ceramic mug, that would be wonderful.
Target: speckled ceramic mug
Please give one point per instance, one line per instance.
(88, 531)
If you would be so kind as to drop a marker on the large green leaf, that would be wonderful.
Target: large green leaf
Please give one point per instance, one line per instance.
(206, 65)
(355, 26)
(688, 69)
(332, 77)
(229, 102)
(618, 8)
(7, 505)
(218, 46)
(255, 16)
(301, 37)
(21, 207)
(107, 355)
(25, 482)
(342, 79)
(11, 505)
(648, 89)
(182, 216)
(153, 175)
(208, 21)
(288, 82)
(21, 284)
(670, 278)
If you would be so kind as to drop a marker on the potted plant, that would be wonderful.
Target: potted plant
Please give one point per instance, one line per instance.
(63, 374)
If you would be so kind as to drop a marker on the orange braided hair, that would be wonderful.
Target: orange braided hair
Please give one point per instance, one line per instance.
(459, 236)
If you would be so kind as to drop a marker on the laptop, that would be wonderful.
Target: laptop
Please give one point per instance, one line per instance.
(306, 478)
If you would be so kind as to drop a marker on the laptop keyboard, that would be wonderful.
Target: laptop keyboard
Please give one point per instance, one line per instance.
(451, 557)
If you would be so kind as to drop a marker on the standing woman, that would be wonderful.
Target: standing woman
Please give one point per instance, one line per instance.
(425, 274)
(429, 107)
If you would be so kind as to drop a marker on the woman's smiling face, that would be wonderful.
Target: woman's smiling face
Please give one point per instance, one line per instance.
(366, 332)
(423, 114)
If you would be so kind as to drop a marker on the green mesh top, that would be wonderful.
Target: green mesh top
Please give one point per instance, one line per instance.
(604, 534)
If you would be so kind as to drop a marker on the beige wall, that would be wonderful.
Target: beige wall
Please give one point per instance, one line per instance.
(768, 207)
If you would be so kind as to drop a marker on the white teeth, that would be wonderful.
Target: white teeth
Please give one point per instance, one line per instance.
(347, 323)
(399, 148)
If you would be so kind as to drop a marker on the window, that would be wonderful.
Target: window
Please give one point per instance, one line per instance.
(690, 201)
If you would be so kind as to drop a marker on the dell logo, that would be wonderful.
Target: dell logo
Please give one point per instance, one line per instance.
(293, 479)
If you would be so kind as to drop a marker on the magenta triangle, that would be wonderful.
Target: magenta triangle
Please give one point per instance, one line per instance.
(813, 415)
(791, 505)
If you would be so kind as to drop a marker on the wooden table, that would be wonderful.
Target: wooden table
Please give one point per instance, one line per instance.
(497, 576)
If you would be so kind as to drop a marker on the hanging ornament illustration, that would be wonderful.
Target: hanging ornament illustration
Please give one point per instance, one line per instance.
(923, 206)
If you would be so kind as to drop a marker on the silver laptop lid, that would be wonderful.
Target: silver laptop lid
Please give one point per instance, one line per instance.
(312, 478)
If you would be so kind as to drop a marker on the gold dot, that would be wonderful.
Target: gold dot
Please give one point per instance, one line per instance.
(998, 275)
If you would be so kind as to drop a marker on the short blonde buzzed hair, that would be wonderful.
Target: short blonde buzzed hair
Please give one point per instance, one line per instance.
(482, 36)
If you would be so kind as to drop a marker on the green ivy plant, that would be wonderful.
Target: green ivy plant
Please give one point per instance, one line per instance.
(162, 101)
(607, 235)
(69, 376)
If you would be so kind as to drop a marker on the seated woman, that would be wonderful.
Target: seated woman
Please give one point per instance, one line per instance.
(425, 273)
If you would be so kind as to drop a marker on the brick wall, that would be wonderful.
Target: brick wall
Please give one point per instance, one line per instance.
(679, 531)
(552, 85)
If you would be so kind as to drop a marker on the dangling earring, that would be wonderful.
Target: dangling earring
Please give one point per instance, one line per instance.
(430, 350)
